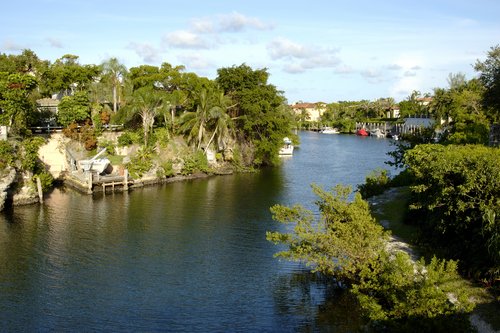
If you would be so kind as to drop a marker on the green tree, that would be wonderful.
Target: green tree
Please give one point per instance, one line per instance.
(346, 243)
(455, 202)
(195, 123)
(114, 73)
(16, 104)
(67, 76)
(261, 114)
(146, 102)
(221, 122)
(490, 77)
(74, 109)
(460, 107)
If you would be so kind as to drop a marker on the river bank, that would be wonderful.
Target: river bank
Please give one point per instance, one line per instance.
(389, 208)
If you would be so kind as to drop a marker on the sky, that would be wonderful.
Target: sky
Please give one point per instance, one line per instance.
(317, 50)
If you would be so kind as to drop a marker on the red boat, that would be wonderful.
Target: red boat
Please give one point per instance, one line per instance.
(362, 132)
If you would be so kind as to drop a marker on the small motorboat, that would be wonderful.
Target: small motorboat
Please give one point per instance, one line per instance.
(362, 132)
(377, 132)
(287, 148)
(330, 130)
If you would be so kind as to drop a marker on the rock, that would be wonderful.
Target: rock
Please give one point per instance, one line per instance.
(5, 183)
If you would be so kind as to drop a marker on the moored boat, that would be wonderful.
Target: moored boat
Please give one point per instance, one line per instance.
(362, 132)
(287, 148)
(377, 132)
(330, 130)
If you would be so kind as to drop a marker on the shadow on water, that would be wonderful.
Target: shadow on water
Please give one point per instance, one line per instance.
(316, 303)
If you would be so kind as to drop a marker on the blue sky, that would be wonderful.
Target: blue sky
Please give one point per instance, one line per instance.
(322, 50)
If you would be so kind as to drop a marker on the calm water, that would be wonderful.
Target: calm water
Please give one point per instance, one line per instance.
(183, 257)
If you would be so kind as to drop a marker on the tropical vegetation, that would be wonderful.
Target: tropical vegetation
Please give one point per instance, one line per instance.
(454, 203)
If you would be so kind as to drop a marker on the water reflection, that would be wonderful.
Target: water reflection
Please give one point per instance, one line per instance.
(316, 303)
(181, 257)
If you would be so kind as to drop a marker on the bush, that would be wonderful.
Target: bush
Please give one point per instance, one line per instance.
(196, 162)
(346, 243)
(161, 136)
(456, 195)
(109, 145)
(376, 183)
(46, 180)
(141, 163)
(166, 170)
(6, 154)
(128, 138)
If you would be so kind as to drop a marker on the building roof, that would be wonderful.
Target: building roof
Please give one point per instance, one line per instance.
(304, 105)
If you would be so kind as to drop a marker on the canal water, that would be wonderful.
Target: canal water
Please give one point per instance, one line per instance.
(180, 257)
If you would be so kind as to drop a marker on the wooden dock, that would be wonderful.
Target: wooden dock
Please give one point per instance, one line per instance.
(89, 183)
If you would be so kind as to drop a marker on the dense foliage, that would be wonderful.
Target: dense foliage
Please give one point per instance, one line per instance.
(457, 198)
(346, 243)
(259, 112)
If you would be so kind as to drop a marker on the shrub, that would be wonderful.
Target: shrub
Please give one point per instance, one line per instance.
(346, 243)
(196, 162)
(376, 183)
(6, 154)
(127, 138)
(456, 195)
(109, 145)
(141, 163)
(161, 136)
(46, 180)
(166, 170)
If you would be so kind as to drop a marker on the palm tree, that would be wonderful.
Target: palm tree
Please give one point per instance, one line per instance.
(222, 121)
(195, 123)
(147, 103)
(171, 102)
(115, 73)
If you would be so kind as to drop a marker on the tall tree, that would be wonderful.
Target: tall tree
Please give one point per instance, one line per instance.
(146, 102)
(16, 105)
(262, 116)
(490, 77)
(195, 123)
(67, 76)
(114, 72)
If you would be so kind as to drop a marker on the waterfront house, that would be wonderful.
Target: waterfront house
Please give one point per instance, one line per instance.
(314, 111)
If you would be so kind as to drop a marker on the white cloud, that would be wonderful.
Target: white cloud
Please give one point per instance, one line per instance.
(294, 68)
(236, 22)
(227, 23)
(185, 40)
(394, 67)
(284, 48)
(300, 57)
(409, 73)
(9, 45)
(344, 69)
(54, 42)
(146, 51)
(195, 61)
(371, 73)
(202, 25)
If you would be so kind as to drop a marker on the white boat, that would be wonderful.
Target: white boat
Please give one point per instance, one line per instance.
(287, 148)
(377, 132)
(330, 130)
(95, 165)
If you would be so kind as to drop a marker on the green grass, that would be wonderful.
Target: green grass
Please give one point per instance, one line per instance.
(115, 159)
